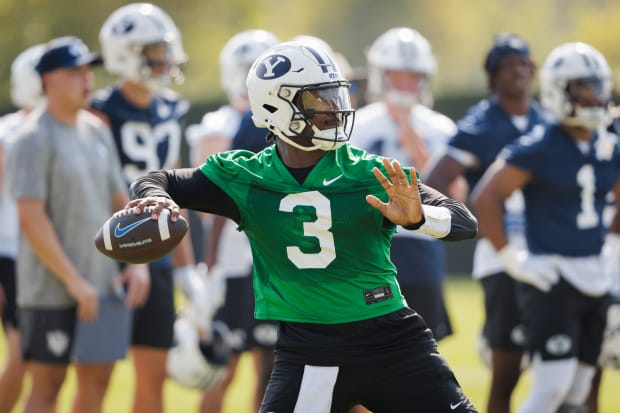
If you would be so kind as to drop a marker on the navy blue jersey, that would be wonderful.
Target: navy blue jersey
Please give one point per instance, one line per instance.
(486, 129)
(248, 136)
(565, 199)
(147, 139)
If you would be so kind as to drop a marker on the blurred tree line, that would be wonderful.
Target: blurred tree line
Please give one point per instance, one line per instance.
(460, 31)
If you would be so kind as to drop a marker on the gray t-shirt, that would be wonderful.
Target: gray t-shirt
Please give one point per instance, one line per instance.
(75, 169)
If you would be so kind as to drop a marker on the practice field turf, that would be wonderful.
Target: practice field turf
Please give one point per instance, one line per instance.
(464, 298)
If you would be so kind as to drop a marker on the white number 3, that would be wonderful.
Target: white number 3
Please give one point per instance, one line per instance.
(318, 229)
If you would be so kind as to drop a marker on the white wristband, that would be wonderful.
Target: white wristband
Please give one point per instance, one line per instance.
(437, 221)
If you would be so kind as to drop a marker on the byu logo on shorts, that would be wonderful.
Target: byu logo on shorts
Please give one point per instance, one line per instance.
(272, 67)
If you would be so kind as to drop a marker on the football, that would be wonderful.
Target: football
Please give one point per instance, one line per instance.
(138, 239)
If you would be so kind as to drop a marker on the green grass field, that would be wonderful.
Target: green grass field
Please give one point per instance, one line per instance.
(464, 299)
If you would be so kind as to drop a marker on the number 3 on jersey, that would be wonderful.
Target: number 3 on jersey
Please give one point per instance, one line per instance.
(320, 229)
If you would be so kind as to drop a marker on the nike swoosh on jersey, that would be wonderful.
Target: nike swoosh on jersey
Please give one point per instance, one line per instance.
(327, 182)
(454, 406)
(119, 232)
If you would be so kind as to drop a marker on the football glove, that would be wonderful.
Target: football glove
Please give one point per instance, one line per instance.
(524, 267)
(610, 257)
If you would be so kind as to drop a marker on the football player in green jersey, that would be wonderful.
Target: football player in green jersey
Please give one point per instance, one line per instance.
(320, 215)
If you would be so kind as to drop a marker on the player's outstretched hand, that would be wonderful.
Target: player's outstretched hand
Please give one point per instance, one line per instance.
(404, 206)
(158, 203)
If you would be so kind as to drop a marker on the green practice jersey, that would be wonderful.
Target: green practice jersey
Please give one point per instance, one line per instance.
(321, 253)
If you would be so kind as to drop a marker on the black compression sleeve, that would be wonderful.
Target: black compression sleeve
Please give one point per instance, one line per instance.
(189, 188)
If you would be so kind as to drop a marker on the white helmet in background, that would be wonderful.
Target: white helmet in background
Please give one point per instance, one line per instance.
(574, 64)
(292, 82)
(127, 32)
(237, 57)
(400, 49)
(195, 362)
(26, 86)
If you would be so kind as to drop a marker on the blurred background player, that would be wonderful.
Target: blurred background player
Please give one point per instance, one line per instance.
(565, 171)
(488, 126)
(72, 305)
(228, 250)
(142, 46)
(400, 124)
(26, 94)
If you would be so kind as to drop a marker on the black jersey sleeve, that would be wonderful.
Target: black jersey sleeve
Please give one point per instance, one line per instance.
(463, 222)
(189, 188)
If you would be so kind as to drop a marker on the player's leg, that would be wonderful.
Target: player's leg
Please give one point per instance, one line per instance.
(427, 300)
(263, 356)
(46, 341)
(12, 376)
(555, 322)
(150, 372)
(98, 344)
(236, 313)
(412, 377)
(92, 384)
(46, 381)
(592, 400)
(585, 389)
(503, 331)
(213, 398)
(152, 337)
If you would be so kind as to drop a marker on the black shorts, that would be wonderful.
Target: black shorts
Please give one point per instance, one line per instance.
(238, 314)
(387, 364)
(8, 284)
(503, 327)
(427, 300)
(563, 323)
(47, 335)
(153, 323)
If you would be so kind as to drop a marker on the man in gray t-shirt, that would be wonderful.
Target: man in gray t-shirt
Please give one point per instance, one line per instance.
(66, 178)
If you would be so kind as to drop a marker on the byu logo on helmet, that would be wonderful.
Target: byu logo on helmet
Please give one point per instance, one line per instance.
(124, 26)
(274, 66)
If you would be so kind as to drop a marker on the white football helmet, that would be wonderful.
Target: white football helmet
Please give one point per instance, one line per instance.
(26, 87)
(576, 63)
(292, 82)
(610, 352)
(126, 33)
(401, 49)
(313, 41)
(237, 57)
(195, 362)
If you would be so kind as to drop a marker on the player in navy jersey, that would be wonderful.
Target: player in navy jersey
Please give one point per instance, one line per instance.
(228, 254)
(320, 214)
(565, 172)
(400, 124)
(142, 46)
(488, 126)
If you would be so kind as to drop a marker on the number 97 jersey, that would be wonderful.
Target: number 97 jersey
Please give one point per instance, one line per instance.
(566, 197)
(147, 138)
